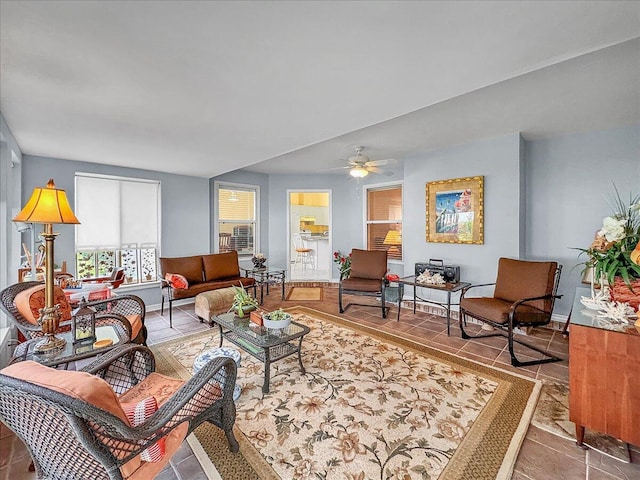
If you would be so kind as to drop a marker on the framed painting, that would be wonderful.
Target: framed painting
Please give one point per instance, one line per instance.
(455, 210)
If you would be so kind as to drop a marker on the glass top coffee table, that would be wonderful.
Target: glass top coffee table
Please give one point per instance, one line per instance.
(266, 344)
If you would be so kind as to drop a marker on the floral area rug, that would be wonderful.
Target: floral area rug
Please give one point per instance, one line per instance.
(370, 405)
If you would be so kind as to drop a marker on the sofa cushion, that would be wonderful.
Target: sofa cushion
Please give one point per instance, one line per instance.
(194, 290)
(28, 302)
(190, 267)
(218, 266)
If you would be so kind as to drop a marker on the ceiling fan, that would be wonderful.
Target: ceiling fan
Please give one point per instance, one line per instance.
(360, 165)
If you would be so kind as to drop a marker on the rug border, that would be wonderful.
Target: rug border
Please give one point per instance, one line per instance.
(506, 381)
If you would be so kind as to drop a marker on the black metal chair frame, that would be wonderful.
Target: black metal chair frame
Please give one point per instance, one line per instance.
(72, 439)
(508, 329)
(380, 294)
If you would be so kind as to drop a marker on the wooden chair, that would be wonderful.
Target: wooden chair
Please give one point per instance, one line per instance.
(304, 255)
(367, 277)
(224, 242)
(73, 422)
(524, 295)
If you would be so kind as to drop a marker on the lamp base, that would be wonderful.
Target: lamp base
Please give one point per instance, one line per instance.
(50, 344)
(49, 321)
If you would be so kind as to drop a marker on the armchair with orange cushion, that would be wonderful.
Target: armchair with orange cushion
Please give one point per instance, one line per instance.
(22, 301)
(524, 295)
(81, 424)
(366, 277)
(115, 279)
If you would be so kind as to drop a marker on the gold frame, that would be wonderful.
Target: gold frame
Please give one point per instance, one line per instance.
(472, 203)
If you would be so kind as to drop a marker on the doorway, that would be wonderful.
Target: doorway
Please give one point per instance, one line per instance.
(310, 231)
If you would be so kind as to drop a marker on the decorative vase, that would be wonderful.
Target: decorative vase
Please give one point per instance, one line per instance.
(620, 292)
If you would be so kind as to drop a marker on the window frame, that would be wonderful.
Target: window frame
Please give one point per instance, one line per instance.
(220, 184)
(365, 213)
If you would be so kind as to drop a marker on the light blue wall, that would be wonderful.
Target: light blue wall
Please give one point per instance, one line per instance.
(185, 207)
(346, 210)
(498, 160)
(541, 198)
(569, 182)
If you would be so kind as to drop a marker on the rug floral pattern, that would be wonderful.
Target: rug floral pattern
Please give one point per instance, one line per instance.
(364, 408)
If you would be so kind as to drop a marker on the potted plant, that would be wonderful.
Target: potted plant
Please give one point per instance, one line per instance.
(612, 255)
(243, 303)
(344, 264)
(277, 319)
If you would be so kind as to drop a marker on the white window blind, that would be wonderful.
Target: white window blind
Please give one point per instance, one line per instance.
(116, 212)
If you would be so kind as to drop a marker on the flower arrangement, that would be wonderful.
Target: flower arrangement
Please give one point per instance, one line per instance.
(344, 263)
(616, 248)
(259, 260)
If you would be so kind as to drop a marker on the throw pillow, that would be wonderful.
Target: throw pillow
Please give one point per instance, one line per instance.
(137, 413)
(177, 281)
(29, 302)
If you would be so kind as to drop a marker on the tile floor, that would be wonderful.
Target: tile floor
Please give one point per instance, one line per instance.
(542, 456)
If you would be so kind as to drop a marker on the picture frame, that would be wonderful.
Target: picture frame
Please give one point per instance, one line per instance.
(455, 210)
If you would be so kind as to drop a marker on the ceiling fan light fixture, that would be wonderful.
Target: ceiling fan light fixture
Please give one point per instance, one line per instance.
(358, 172)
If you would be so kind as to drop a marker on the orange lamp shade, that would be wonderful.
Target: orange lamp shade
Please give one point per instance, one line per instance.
(47, 205)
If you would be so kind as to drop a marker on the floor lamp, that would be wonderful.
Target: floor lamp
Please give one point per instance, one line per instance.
(48, 206)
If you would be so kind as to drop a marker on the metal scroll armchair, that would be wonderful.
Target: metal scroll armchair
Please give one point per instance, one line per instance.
(366, 277)
(130, 310)
(524, 295)
(77, 432)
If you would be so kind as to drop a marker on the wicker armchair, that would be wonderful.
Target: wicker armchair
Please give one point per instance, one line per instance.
(126, 308)
(73, 439)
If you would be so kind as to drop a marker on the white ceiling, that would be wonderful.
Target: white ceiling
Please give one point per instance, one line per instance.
(203, 88)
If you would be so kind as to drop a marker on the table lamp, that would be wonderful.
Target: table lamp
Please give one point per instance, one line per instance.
(48, 205)
(393, 238)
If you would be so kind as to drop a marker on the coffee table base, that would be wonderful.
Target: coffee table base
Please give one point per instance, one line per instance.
(266, 355)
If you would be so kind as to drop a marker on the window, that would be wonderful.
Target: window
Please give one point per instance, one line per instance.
(384, 220)
(120, 227)
(237, 227)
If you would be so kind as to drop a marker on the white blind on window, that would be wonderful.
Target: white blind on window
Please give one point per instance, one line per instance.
(115, 212)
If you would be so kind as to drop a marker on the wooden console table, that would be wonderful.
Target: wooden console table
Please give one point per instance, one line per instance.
(604, 376)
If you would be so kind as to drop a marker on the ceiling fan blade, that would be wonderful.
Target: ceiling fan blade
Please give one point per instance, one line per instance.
(379, 170)
(333, 168)
(376, 163)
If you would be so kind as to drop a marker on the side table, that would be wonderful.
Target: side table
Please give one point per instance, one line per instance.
(449, 288)
(264, 276)
(71, 353)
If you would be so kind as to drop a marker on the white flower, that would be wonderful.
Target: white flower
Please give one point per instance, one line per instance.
(613, 229)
